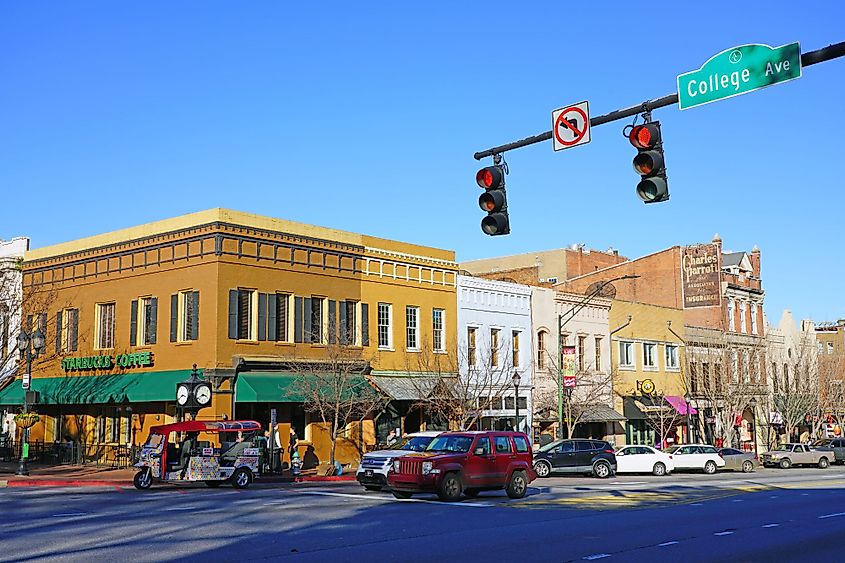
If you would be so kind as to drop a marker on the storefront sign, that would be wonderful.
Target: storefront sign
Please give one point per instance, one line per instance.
(700, 274)
(568, 359)
(107, 362)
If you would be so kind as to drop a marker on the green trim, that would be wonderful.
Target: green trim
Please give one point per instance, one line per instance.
(137, 387)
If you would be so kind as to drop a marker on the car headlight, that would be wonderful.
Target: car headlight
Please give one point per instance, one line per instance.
(396, 466)
(426, 467)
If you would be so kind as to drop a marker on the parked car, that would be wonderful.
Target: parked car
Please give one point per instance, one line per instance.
(465, 462)
(835, 445)
(736, 460)
(590, 457)
(787, 455)
(372, 472)
(701, 457)
(643, 459)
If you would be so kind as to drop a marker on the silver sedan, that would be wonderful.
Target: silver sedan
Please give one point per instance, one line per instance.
(736, 460)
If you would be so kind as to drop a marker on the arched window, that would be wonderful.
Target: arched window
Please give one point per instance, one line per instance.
(541, 349)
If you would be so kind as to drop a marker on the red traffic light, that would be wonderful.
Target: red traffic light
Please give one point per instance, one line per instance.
(644, 136)
(490, 178)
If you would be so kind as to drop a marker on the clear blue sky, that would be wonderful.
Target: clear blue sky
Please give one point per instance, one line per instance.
(365, 116)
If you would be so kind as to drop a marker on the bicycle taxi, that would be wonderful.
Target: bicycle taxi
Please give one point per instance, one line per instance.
(199, 450)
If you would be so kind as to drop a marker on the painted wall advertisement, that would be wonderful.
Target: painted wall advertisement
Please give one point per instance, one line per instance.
(568, 359)
(700, 276)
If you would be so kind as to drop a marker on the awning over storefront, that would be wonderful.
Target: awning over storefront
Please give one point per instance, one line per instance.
(601, 413)
(638, 408)
(286, 387)
(406, 388)
(136, 387)
(680, 405)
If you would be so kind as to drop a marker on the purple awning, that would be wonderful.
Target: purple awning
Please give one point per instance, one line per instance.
(680, 405)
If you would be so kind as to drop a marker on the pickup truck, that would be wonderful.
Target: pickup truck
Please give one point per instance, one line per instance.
(787, 455)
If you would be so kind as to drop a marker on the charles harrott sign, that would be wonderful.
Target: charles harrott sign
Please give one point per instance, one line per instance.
(700, 280)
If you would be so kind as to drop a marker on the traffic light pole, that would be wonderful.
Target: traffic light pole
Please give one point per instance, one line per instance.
(807, 59)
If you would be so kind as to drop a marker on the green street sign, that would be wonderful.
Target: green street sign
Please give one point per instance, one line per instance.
(739, 70)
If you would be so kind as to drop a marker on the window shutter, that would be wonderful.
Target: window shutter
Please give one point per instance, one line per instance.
(42, 324)
(297, 319)
(272, 309)
(74, 335)
(233, 314)
(332, 322)
(58, 332)
(174, 316)
(133, 323)
(153, 320)
(195, 320)
(344, 339)
(365, 324)
(306, 317)
(262, 316)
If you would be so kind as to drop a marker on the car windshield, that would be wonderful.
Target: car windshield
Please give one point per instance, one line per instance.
(458, 444)
(414, 443)
(671, 450)
(783, 448)
(550, 446)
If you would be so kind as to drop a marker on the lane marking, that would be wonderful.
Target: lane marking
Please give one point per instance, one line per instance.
(385, 499)
(737, 500)
(595, 556)
(69, 514)
(667, 543)
(725, 533)
(834, 515)
(695, 504)
(771, 525)
(172, 508)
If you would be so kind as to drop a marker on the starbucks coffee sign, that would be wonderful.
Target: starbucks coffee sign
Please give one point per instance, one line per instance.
(108, 362)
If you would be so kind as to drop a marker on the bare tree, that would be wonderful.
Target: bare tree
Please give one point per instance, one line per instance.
(335, 390)
(796, 390)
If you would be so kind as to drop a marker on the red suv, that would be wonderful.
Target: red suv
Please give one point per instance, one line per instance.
(465, 462)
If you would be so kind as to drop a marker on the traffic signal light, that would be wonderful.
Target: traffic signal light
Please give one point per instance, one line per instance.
(493, 200)
(649, 162)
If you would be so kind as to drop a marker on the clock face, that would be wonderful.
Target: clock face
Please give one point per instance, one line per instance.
(182, 394)
(202, 394)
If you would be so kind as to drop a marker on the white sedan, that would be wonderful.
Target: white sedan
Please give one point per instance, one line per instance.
(702, 457)
(643, 459)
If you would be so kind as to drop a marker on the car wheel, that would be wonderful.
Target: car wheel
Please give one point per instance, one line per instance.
(823, 463)
(372, 487)
(747, 467)
(659, 469)
(518, 485)
(143, 479)
(241, 478)
(471, 493)
(543, 469)
(710, 467)
(785, 463)
(450, 488)
(213, 484)
(601, 470)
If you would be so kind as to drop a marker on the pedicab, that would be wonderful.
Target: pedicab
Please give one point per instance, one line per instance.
(200, 450)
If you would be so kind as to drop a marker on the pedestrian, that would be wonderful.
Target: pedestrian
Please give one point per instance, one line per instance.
(292, 443)
(391, 438)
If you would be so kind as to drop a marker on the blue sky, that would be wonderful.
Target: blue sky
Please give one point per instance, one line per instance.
(365, 117)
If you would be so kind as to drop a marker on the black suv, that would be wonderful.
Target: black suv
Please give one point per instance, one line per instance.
(591, 457)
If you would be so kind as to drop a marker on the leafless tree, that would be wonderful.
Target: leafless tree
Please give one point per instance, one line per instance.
(796, 390)
(335, 390)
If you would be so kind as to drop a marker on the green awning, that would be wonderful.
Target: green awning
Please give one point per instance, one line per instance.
(276, 387)
(135, 387)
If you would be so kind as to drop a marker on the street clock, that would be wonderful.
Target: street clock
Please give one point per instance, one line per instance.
(193, 393)
(202, 394)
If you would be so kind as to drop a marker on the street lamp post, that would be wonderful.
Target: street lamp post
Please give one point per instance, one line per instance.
(570, 314)
(515, 380)
(687, 400)
(753, 404)
(29, 346)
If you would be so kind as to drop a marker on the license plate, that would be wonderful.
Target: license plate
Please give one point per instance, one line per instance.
(368, 472)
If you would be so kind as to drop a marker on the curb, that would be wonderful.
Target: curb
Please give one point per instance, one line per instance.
(328, 478)
(62, 483)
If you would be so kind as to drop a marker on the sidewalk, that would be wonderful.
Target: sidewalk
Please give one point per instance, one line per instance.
(102, 476)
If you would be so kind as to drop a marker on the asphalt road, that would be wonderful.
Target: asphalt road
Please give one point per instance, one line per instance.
(792, 515)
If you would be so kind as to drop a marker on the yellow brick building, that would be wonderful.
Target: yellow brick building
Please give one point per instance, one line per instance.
(253, 301)
(647, 358)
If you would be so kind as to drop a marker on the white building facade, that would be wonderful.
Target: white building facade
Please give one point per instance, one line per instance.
(11, 254)
(494, 345)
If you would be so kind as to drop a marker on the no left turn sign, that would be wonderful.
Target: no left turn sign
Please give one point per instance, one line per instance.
(571, 126)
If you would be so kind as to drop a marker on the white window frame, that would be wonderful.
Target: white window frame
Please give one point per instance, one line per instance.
(472, 346)
(183, 334)
(67, 345)
(98, 335)
(731, 315)
(628, 347)
(515, 334)
(650, 362)
(287, 322)
(322, 333)
(671, 357)
(753, 314)
(388, 307)
(438, 333)
(412, 328)
(141, 320)
(742, 307)
(495, 344)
